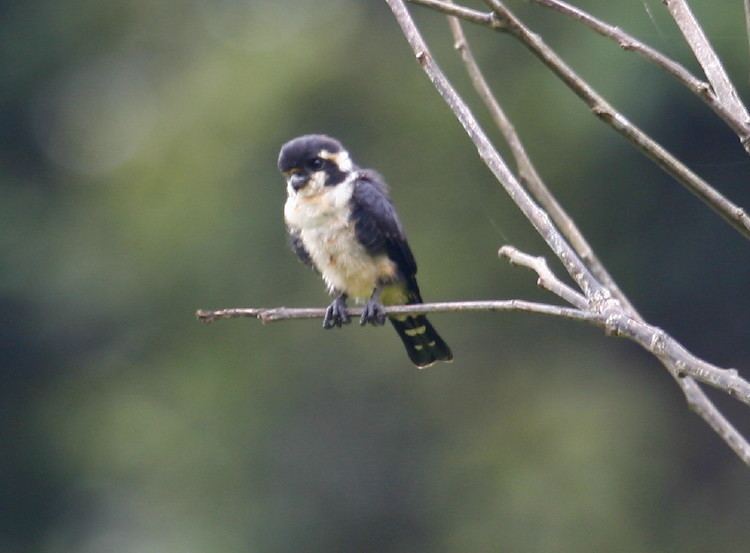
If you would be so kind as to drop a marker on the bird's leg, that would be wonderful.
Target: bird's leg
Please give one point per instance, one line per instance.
(336, 314)
(373, 312)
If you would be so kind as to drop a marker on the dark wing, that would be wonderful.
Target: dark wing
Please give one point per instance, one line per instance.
(295, 241)
(377, 226)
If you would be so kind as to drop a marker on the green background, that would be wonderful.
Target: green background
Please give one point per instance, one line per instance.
(138, 184)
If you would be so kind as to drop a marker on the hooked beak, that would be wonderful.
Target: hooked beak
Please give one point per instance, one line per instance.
(297, 181)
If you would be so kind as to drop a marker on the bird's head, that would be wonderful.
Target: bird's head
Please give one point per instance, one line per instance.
(313, 161)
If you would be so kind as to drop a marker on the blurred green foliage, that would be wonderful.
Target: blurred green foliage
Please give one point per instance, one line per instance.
(138, 184)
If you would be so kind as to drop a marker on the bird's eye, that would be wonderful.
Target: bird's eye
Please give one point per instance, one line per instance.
(315, 164)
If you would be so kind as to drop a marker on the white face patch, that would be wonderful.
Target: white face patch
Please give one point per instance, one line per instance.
(341, 159)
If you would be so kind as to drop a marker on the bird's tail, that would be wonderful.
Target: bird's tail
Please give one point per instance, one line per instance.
(422, 342)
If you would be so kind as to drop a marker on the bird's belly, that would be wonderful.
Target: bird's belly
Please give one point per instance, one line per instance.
(344, 263)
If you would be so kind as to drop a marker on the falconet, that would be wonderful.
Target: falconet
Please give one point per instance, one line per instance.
(342, 223)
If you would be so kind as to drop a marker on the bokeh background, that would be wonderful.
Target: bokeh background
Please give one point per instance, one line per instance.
(138, 184)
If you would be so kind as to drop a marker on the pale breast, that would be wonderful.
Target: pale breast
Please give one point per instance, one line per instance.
(328, 235)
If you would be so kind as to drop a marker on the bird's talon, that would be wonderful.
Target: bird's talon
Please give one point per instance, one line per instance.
(336, 314)
(373, 313)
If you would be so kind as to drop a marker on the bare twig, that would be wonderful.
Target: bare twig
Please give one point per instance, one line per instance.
(272, 314)
(746, 3)
(678, 360)
(528, 173)
(680, 363)
(547, 278)
(731, 213)
(707, 57)
(702, 406)
(449, 8)
(733, 118)
(627, 42)
(736, 119)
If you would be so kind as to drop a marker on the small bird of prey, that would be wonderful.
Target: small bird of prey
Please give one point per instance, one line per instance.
(342, 223)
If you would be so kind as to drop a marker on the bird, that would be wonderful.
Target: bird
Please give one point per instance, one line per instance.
(342, 223)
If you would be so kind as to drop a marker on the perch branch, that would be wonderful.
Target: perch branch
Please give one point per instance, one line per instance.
(652, 338)
(273, 314)
(528, 173)
(706, 56)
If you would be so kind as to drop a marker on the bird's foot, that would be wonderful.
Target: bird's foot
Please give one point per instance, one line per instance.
(373, 313)
(336, 314)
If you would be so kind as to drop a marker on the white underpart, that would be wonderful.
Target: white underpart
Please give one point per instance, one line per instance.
(320, 214)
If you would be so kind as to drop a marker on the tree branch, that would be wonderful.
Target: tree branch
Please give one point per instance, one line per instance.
(449, 8)
(273, 314)
(611, 318)
(733, 118)
(679, 361)
(702, 406)
(547, 278)
(708, 59)
(731, 213)
(736, 119)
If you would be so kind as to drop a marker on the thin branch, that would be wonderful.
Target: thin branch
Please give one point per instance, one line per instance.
(539, 219)
(627, 42)
(737, 120)
(474, 16)
(730, 212)
(707, 57)
(746, 3)
(528, 173)
(702, 406)
(678, 360)
(273, 314)
(547, 278)
(676, 357)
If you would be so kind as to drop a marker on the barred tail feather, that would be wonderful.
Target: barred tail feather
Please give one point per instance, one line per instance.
(422, 342)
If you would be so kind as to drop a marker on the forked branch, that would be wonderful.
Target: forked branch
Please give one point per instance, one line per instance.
(726, 104)
(734, 117)
(506, 21)
(706, 56)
